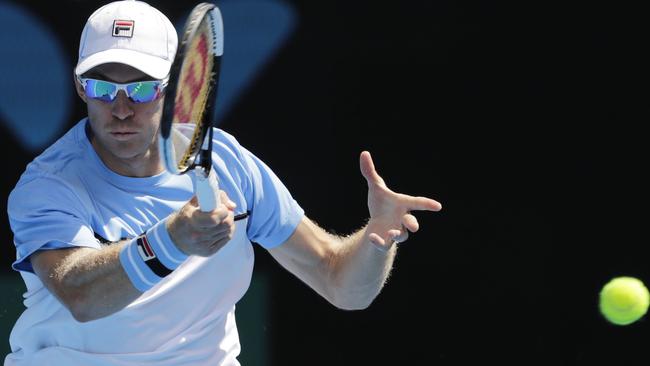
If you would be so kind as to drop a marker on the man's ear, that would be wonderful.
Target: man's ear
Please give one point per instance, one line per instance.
(79, 88)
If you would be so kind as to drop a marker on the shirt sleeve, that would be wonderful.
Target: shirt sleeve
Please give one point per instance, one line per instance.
(44, 214)
(274, 213)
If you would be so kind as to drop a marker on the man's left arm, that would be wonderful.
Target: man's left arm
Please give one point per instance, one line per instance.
(350, 271)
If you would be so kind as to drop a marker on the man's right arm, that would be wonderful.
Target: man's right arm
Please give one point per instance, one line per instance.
(93, 283)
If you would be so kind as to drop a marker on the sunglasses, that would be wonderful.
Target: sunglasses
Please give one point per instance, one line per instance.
(137, 91)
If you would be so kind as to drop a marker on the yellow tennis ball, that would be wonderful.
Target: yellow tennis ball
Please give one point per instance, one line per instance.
(624, 300)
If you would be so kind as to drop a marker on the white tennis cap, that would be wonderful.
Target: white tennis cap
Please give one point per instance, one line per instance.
(128, 32)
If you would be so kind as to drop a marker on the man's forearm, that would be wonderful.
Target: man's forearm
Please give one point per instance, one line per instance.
(361, 270)
(91, 283)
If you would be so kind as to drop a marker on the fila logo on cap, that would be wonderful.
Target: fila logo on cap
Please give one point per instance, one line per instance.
(123, 28)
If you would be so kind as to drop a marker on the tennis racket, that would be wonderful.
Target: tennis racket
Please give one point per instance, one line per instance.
(185, 139)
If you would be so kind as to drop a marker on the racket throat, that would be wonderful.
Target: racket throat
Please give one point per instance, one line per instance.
(204, 157)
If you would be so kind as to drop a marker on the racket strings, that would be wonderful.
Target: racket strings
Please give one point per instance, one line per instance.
(185, 131)
(193, 90)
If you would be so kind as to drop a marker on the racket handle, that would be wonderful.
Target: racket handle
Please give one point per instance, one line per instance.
(207, 190)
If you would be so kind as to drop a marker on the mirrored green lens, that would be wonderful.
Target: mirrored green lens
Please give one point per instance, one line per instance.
(143, 91)
(99, 89)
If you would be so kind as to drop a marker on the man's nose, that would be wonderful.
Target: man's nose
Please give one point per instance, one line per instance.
(122, 106)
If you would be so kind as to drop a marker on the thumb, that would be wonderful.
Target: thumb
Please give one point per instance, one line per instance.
(368, 169)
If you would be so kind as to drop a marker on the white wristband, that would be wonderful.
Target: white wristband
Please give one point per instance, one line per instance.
(150, 257)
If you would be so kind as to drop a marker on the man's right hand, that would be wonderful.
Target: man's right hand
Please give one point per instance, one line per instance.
(202, 233)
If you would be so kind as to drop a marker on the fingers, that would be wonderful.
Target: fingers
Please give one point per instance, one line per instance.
(214, 217)
(410, 223)
(422, 203)
(201, 233)
(204, 242)
(397, 236)
(392, 237)
(373, 178)
(209, 245)
(391, 211)
(223, 198)
(208, 220)
(379, 242)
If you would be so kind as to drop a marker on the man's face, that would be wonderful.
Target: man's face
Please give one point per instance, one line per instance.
(124, 133)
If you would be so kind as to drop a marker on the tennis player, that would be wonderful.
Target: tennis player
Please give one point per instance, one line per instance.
(120, 264)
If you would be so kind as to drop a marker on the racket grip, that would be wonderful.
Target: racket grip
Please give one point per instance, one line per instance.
(207, 190)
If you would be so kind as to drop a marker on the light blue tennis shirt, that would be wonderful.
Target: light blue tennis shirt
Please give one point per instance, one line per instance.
(67, 198)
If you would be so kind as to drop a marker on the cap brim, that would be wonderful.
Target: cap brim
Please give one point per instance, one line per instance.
(153, 66)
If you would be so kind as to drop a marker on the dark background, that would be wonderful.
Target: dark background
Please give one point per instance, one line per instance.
(524, 119)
